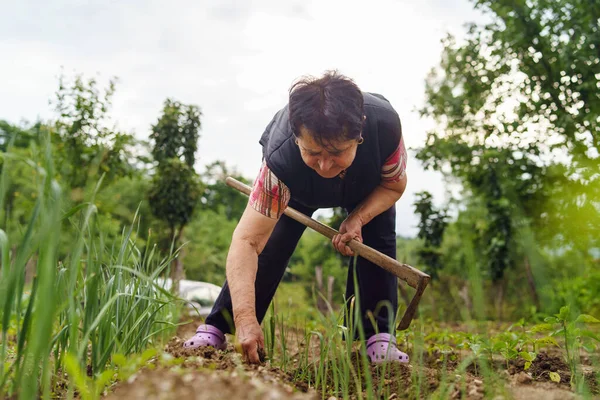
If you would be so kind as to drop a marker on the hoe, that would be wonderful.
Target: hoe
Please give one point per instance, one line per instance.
(412, 276)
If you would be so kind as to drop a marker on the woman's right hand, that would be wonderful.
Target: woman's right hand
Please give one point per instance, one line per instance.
(250, 338)
(249, 239)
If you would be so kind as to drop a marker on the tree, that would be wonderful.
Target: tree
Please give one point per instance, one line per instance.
(175, 188)
(516, 96)
(19, 135)
(16, 140)
(86, 144)
(18, 191)
(175, 135)
(516, 106)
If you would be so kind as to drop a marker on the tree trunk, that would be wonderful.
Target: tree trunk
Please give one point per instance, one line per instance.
(465, 296)
(500, 299)
(531, 281)
(177, 272)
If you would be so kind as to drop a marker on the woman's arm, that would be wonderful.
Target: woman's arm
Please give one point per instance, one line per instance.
(249, 239)
(382, 198)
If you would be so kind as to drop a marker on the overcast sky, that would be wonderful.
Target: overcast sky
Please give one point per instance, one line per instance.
(234, 59)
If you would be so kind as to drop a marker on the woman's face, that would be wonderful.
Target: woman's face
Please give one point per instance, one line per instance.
(327, 161)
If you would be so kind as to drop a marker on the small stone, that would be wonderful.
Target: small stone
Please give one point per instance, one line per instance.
(132, 378)
(524, 378)
(478, 382)
(165, 386)
(332, 398)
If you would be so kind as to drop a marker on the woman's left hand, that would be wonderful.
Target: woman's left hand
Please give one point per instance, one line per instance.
(350, 229)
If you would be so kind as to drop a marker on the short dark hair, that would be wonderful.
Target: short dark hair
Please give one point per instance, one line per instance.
(330, 107)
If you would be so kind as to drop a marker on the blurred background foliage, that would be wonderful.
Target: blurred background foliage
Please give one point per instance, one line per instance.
(516, 112)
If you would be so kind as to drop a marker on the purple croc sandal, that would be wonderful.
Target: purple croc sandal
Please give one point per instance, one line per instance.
(382, 348)
(207, 335)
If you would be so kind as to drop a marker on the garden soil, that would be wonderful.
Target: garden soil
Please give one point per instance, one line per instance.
(209, 374)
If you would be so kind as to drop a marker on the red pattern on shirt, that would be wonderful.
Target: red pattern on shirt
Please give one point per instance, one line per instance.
(269, 196)
(394, 168)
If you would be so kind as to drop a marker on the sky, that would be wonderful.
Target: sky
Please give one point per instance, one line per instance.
(234, 59)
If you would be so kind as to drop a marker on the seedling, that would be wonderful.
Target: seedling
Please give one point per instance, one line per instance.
(575, 334)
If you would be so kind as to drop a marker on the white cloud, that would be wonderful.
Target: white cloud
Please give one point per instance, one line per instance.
(235, 59)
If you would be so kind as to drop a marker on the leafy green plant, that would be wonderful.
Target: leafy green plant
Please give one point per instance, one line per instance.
(507, 344)
(125, 366)
(575, 333)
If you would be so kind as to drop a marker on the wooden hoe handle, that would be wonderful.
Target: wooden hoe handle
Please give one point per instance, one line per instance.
(410, 275)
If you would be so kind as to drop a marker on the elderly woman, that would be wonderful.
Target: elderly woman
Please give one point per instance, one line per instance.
(331, 146)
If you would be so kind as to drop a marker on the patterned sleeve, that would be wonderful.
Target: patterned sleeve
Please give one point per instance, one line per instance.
(269, 196)
(394, 168)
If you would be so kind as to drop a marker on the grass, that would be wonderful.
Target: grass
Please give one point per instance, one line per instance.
(84, 305)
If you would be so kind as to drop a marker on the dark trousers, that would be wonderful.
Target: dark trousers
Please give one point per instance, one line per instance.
(376, 285)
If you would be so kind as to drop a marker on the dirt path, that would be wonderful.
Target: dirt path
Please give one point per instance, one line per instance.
(195, 384)
(207, 374)
(210, 374)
